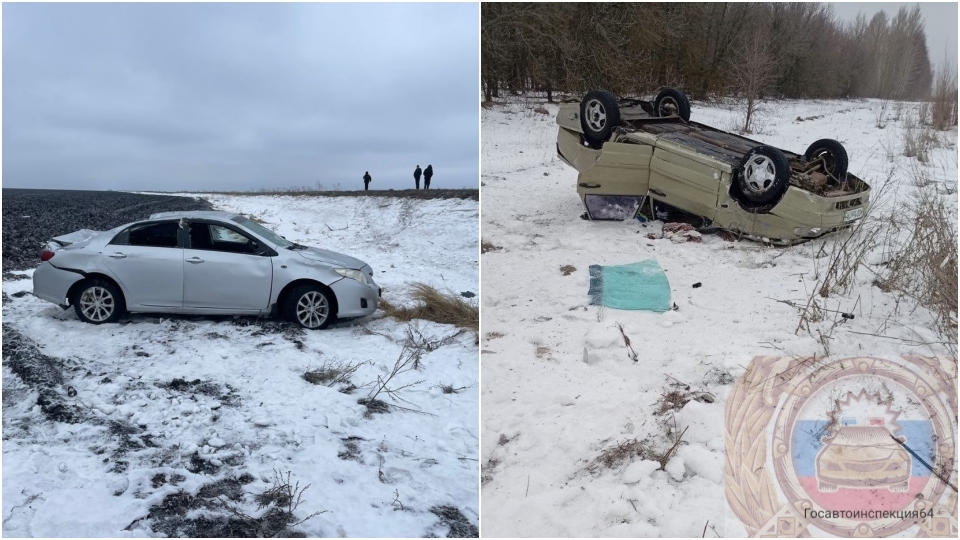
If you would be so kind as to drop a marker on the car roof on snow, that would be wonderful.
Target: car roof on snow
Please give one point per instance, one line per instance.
(194, 214)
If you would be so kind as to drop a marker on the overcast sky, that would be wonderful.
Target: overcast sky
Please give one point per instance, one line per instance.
(940, 23)
(239, 96)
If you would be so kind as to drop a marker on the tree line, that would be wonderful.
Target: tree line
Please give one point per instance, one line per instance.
(791, 50)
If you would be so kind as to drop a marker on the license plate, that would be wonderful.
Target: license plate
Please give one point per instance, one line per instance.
(853, 215)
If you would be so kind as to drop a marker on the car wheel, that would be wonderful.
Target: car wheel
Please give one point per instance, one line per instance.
(763, 175)
(98, 301)
(599, 114)
(309, 306)
(833, 154)
(672, 102)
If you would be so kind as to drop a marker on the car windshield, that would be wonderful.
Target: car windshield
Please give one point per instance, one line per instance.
(280, 241)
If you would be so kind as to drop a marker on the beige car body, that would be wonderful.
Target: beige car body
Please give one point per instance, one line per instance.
(640, 164)
(862, 457)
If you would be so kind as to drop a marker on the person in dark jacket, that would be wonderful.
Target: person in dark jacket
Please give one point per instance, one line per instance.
(427, 175)
(416, 176)
(366, 180)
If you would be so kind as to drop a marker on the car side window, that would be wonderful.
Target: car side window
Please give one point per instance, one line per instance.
(150, 235)
(212, 237)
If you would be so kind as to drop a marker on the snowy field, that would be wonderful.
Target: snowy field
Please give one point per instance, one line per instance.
(559, 386)
(157, 425)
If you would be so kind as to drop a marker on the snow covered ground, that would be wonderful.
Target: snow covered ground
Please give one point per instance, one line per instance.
(559, 386)
(173, 414)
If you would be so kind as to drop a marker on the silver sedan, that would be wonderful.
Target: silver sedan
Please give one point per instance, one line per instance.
(202, 263)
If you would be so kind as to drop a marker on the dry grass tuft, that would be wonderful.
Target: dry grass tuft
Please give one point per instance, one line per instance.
(924, 268)
(918, 140)
(331, 374)
(614, 456)
(451, 389)
(567, 269)
(676, 399)
(486, 245)
(542, 351)
(276, 507)
(673, 401)
(494, 335)
(433, 305)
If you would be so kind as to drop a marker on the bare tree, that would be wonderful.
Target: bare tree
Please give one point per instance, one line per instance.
(944, 110)
(637, 47)
(753, 71)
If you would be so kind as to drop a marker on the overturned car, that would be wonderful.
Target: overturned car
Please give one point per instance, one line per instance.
(638, 156)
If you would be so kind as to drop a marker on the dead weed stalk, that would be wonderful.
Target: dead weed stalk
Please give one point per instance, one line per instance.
(923, 267)
(277, 506)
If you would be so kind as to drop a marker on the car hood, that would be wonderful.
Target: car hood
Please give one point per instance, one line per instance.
(331, 258)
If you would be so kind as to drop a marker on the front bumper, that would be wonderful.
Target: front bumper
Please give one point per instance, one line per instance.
(798, 217)
(52, 284)
(355, 299)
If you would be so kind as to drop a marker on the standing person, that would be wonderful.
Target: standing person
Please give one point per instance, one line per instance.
(427, 174)
(416, 176)
(366, 181)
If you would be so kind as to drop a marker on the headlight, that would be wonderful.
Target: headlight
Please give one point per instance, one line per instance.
(353, 274)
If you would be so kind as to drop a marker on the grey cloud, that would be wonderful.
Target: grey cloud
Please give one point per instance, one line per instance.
(238, 96)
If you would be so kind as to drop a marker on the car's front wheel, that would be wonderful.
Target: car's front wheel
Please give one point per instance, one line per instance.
(310, 306)
(98, 301)
(763, 175)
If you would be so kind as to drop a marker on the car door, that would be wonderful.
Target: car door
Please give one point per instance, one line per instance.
(616, 184)
(685, 179)
(147, 260)
(225, 269)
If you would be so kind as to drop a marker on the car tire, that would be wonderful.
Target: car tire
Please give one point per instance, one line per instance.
(672, 102)
(763, 175)
(835, 156)
(304, 306)
(98, 301)
(599, 114)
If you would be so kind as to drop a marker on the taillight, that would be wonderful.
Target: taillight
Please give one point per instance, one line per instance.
(46, 255)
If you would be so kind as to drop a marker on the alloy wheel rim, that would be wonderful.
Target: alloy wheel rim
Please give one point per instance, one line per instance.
(97, 304)
(596, 115)
(760, 173)
(312, 309)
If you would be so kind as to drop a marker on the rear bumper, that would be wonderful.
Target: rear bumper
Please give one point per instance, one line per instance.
(52, 284)
(355, 299)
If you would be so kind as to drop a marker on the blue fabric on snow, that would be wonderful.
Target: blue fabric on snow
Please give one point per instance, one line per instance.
(641, 285)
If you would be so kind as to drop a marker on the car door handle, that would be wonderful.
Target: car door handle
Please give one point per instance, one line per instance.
(658, 192)
(194, 260)
(589, 186)
(117, 255)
